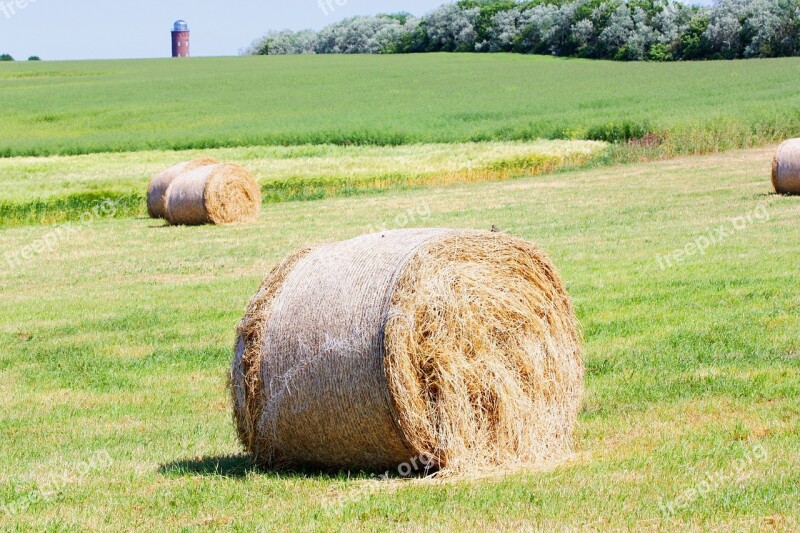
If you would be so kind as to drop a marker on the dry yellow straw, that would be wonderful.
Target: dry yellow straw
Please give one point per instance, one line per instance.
(786, 168)
(156, 192)
(461, 346)
(217, 194)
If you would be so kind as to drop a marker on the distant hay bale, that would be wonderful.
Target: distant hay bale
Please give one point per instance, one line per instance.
(216, 194)
(461, 347)
(786, 168)
(157, 191)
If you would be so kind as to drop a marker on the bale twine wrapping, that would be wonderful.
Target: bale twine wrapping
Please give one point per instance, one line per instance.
(216, 194)
(786, 168)
(460, 346)
(157, 190)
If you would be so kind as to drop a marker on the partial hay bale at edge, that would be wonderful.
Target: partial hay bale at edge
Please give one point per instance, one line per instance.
(461, 346)
(157, 190)
(786, 168)
(217, 194)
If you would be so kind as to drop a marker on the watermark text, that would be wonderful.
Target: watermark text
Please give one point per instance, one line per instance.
(713, 237)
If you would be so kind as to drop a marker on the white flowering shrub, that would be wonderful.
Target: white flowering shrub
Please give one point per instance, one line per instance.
(583, 33)
(670, 23)
(362, 35)
(503, 32)
(284, 42)
(724, 29)
(767, 28)
(618, 31)
(451, 28)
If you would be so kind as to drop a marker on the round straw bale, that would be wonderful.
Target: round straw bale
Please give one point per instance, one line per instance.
(157, 190)
(455, 348)
(217, 194)
(786, 168)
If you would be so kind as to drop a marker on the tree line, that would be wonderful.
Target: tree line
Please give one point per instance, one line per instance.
(9, 57)
(628, 30)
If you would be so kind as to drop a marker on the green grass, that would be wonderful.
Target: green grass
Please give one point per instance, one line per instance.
(119, 106)
(118, 340)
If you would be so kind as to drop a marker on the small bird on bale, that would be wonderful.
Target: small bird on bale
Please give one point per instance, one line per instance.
(495, 229)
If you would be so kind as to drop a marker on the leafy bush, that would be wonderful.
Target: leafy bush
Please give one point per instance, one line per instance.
(691, 44)
(659, 52)
(6, 57)
(615, 132)
(34, 58)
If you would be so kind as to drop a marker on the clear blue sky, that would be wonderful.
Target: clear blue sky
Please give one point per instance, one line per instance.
(106, 29)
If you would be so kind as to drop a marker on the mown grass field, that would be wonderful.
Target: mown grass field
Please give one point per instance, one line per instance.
(56, 189)
(86, 107)
(115, 343)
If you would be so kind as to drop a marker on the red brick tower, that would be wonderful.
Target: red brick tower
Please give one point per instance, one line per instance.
(180, 39)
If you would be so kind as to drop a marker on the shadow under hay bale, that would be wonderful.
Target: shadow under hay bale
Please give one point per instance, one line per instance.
(786, 168)
(217, 194)
(157, 190)
(461, 347)
(230, 466)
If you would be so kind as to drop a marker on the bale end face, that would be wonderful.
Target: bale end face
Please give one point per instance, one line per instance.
(786, 168)
(483, 356)
(217, 194)
(458, 346)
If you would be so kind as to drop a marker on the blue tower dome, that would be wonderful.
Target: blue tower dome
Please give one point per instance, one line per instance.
(180, 25)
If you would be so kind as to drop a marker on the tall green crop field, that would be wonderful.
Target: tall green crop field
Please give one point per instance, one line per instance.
(108, 106)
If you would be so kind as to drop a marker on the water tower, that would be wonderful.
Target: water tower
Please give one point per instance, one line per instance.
(180, 39)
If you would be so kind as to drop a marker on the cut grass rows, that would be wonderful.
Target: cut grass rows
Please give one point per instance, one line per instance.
(47, 191)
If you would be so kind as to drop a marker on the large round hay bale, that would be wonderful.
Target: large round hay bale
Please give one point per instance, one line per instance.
(157, 190)
(786, 168)
(217, 194)
(460, 346)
